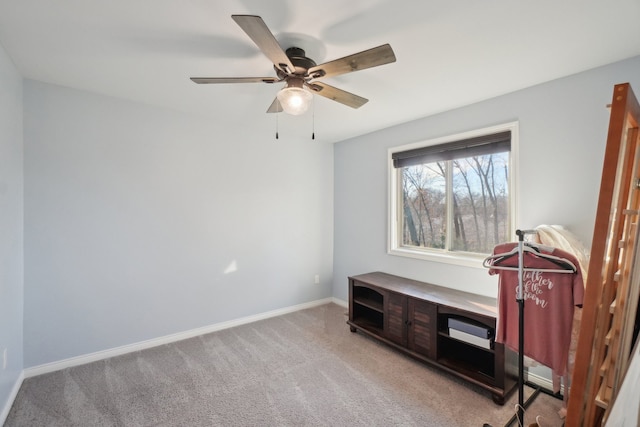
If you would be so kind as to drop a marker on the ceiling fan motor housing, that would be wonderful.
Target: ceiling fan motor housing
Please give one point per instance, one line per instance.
(299, 61)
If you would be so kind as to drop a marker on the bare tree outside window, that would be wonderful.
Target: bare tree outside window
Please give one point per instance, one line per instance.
(476, 187)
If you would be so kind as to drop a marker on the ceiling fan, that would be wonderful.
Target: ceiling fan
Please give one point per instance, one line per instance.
(300, 73)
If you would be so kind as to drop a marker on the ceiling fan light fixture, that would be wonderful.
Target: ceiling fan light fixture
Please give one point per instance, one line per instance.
(294, 98)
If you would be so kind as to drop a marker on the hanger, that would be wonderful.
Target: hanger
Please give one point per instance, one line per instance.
(494, 261)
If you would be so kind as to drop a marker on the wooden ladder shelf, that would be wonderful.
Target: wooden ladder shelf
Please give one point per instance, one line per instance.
(613, 282)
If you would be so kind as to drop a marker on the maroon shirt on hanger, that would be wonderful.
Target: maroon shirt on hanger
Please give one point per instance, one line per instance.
(549, 301)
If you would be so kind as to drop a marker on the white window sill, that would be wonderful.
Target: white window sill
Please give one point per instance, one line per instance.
(455, 258)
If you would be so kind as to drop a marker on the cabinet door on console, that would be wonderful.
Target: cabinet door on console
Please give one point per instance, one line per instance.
(396, 322)
(423, 329)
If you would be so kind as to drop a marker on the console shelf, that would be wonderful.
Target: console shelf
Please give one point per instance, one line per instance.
(415, 318)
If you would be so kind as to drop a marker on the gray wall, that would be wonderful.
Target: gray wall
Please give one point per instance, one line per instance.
(563, 128)
(142, 222)
(11, 227)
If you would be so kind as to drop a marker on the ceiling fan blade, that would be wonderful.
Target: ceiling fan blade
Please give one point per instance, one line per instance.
(339, 95)
(258, 31)
(275, 107)
(358, 61)
(208, 80)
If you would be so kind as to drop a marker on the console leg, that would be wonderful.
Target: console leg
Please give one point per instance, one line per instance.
(497, 399)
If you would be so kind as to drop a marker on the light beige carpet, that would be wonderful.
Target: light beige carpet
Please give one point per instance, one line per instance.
(301, 369)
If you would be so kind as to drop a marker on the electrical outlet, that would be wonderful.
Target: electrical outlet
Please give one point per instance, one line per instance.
(4, 359)
(317, 279)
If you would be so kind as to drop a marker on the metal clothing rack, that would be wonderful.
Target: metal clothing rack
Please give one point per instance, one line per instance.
(522, 404)
(520, 299)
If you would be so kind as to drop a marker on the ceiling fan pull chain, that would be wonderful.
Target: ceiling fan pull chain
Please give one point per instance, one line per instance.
(276, 126)
(313, 118)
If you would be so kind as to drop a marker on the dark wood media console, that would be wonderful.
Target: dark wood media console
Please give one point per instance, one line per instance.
(415, 318)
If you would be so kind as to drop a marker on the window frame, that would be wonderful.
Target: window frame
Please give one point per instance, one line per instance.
(395, 206)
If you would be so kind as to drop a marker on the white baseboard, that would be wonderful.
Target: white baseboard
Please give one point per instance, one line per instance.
(12, 397)
(340, 302)
(167, 339)
(542, 381)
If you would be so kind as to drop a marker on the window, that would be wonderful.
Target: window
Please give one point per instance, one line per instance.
(451, 199)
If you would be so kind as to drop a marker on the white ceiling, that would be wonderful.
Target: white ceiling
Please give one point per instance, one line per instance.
(449, 53)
